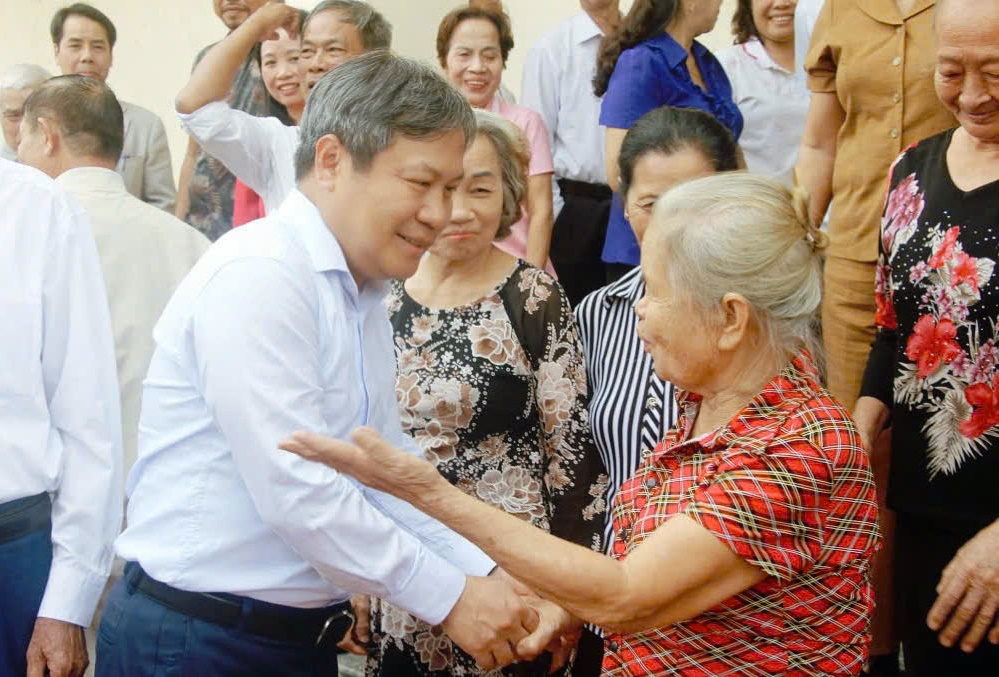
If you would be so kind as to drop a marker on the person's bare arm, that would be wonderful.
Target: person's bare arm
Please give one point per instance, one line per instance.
(612, 145)
(870, 414)
(624, 596)
(214, 75)
(539, 219)
(183, 205)
(817, 155)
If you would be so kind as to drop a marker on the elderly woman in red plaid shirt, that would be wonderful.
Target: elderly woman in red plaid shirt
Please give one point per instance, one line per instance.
(743, 542)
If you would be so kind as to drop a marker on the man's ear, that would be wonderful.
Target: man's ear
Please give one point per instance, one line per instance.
(51, 134)
(332, 161)
(55, 50)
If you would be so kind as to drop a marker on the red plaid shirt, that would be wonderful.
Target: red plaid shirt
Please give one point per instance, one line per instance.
(787, 486)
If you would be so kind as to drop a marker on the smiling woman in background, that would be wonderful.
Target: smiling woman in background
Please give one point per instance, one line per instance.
(473, 44)
(772, 98)
(491, 385)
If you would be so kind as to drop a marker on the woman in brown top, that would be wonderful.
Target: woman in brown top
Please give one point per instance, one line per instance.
(870, 70)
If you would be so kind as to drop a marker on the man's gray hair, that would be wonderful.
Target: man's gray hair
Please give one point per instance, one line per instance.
(375, 30)
(23, 76)
(370, 100)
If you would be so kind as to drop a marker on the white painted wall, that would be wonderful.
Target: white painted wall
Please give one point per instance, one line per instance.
(157, 40)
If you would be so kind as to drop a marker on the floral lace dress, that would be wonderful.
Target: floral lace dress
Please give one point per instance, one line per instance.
(495, 394)
(935, 361)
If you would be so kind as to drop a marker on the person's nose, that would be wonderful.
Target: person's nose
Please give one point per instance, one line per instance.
(460, 209)
(436, 209)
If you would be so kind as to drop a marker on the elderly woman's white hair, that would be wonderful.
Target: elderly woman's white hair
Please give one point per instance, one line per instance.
(22, 76)
(739, 233)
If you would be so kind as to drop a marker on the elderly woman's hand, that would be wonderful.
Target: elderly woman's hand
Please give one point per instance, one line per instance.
(372, 461)
(968, 593)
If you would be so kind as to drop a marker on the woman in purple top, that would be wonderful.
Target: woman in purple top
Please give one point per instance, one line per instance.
(653, 60)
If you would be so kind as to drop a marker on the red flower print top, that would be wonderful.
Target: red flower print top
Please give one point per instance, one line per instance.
(786, 485)
(934, 361)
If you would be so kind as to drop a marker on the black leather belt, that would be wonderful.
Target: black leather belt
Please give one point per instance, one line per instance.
(594, 191)
(25, 516)
(318, 627)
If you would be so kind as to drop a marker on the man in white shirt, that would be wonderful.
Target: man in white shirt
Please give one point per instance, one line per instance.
(84, 38)
(260, 151)
(74, 133)
(558, 84)
(16, 84)
(60, 445)
(279, 327)
(806, 13)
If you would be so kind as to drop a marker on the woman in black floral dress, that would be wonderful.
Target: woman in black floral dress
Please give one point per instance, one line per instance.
(934, 367)
(492, 385)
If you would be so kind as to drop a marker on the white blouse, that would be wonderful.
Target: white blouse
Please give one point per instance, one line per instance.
(774, 105)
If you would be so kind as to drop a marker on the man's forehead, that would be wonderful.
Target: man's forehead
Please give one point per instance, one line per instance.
(328, 26)
(13, 99)
(79, 27)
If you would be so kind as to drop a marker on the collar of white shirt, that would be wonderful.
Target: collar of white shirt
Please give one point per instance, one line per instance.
(755, 49)
(92, 179)
(300, 213)
(584, 28)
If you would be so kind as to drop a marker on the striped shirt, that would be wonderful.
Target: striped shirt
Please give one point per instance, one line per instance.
(630, 407)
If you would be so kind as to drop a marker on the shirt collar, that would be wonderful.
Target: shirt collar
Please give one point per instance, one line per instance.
(302, 215)
(886, 11)
(671, 49)
(584, 28)
(796, 382)
(91, 179)
(629, 288)
(756, 51)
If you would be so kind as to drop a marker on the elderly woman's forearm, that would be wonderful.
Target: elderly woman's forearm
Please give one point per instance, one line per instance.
(588, 584)
(540, 221)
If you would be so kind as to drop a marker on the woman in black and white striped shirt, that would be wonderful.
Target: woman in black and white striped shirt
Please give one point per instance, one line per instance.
(630, 407)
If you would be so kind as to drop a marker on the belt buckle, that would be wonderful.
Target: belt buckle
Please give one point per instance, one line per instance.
(342, 613)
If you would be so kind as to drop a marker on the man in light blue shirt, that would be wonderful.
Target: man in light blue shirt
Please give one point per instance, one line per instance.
(241, 557)
(558, 84)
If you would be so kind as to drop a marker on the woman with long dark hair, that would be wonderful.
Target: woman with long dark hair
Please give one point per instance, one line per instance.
(654, 60)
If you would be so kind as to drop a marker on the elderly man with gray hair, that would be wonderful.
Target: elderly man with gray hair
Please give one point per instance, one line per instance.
(16, 84)
(259, 151)
(241, 558)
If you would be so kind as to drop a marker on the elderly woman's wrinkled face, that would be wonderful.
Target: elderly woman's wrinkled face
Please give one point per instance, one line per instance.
(673, 329)
(774, 19)
(279, 70)
(476, 207)
(967, 72)
(655, 173)
(475, 61)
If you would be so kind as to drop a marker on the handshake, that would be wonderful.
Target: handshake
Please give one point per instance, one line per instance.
(497, 620)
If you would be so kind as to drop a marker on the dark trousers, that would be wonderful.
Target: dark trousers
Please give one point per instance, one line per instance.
(578, 238)
(923, 548)
(140, 637)
(24, 572)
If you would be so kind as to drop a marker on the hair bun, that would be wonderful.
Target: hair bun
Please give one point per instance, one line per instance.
(815, 237)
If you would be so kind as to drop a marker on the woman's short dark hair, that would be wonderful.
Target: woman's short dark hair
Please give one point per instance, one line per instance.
(669, 130)
(646, 19)
(86, 11)
(476, 9)
(743, 26)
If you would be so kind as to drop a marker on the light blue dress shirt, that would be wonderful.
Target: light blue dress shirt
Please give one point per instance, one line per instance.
(267, 335)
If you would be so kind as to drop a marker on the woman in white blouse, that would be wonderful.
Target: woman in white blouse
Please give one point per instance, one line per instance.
(772, 99)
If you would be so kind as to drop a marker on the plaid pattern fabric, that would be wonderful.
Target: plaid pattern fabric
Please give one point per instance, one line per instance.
(787, 486)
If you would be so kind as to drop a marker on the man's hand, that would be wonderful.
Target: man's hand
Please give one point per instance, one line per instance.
(489, 620)
(57, 649)
(272, 16)
(968, 593)
(558, 632)
(356, 641)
